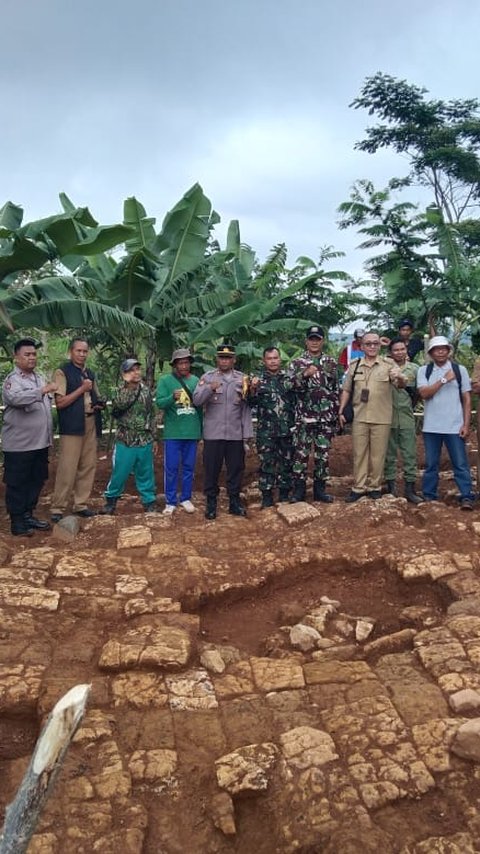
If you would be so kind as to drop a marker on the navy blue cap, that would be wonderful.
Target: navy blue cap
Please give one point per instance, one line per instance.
(315, 332)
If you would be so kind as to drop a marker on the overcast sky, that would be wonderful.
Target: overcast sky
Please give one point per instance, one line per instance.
(106, 99)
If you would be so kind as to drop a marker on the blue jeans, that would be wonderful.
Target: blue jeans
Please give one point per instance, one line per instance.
(176, 452)
(457, 452)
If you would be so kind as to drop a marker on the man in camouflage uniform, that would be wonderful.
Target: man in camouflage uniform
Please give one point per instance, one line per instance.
(402, 432)
(273, 400)
(315, 381)
(132, 406)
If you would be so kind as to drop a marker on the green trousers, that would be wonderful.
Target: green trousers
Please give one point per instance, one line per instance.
(401, 439)
(136, 460)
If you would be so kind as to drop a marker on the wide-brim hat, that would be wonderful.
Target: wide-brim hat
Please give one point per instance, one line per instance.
(181, 353)
(439, 341)
(225, 350)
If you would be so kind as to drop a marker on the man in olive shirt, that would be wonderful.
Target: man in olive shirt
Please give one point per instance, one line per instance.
(371, 379)
(402, 434)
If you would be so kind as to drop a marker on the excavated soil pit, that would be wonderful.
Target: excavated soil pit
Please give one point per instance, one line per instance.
(374, 591)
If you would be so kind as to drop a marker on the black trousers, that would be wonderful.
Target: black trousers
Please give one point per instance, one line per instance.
(24, 473)
(215, 453)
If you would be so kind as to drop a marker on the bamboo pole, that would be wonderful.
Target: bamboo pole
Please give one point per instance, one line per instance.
(23, 813)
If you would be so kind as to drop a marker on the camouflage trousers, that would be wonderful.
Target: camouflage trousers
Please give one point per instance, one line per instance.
(275, 453)
(307, 436)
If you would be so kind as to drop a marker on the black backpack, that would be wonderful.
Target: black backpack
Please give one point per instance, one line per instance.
(456, 371)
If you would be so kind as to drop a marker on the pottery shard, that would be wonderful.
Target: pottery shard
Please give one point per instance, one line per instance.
(154, 646)
(247, 770)
(137, 535)
(150, 766)
(304, 637)
(306, 747)
(467, 740)
(23, 596)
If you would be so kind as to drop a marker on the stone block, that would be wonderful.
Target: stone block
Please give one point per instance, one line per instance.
(247, 770)
(134, 537)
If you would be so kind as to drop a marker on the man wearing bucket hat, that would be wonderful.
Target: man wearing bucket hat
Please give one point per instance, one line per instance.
(182, 428)
(227, 425)
(132, 407)
(444, 386)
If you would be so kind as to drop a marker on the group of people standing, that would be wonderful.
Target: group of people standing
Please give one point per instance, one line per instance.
(298, 412)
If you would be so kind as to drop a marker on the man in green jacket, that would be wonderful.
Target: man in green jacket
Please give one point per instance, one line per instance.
(182, 428)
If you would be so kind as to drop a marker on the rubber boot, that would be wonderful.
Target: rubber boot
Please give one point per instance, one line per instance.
(319, 493)
(267, 498)
(110, 506)
(211, 507)
(19, 527)
(283, 494)
(236, 507)
(411, 495)
(299, 491)
(390, 488)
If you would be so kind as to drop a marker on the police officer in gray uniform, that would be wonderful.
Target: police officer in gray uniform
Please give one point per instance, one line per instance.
(26, 436)
(227, 424)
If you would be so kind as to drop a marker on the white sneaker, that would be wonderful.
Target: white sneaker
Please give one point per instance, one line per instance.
(169, 510)
(188, 506)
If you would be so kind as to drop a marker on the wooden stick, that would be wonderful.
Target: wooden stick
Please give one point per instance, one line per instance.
(23, 813)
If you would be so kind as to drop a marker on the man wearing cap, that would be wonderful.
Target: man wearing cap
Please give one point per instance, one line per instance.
(26, 437)
(227, 425)
(445, 389)
(315, 382)
(79, 420)
(369, 381)
(182, 428)
(352, 351)
(132, 407)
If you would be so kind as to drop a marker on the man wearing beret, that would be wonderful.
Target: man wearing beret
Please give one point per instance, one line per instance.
(132, 407)
(182, 428)
(315, 382)
(227, 425)
(26, 437)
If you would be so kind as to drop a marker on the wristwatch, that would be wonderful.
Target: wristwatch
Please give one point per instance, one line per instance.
(443, 381)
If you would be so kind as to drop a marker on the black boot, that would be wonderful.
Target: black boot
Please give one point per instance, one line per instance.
(32, 522)
(390, 488)
(19, 527)
(411, 495)
(299, 491)
(283, 494)
(110, 506)
(236, 507)
(267, 498)
(211, 507)
(319, 493)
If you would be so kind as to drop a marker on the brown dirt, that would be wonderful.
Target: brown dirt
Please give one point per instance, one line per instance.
(245, 619)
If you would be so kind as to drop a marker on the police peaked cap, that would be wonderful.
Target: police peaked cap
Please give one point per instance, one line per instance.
(226, 350)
